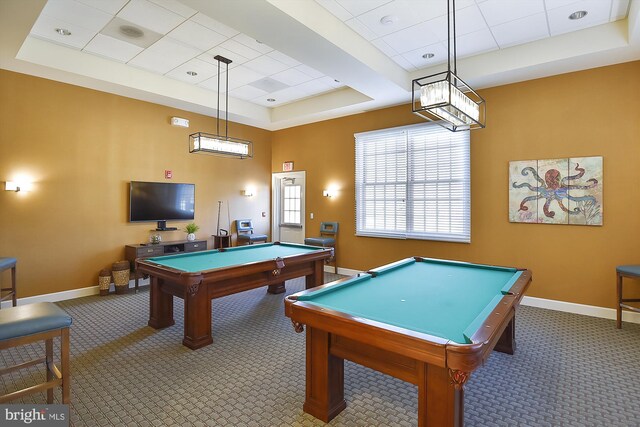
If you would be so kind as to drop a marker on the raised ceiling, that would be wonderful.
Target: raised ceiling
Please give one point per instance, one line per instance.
(299, 61)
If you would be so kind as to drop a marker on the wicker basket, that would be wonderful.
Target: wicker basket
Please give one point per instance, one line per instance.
(104, 281)
(121, 276)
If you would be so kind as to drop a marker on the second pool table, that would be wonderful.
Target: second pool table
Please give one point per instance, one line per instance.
(429, 322)
(198, 277)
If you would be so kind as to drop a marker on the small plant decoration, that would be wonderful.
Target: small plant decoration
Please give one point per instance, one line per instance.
(191, 228)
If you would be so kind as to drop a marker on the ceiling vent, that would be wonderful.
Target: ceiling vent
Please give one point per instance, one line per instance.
(269, 85)
(129, 32)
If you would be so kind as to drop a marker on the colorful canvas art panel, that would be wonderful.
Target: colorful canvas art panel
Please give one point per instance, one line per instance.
(556, 191)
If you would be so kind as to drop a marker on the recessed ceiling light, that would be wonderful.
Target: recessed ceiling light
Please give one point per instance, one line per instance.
(192, 73)
(388, 19)
(131, 31)
(428, 55)
(336, 80)
(258, 41)
(271, 100)
(63, 31)
(578, 15)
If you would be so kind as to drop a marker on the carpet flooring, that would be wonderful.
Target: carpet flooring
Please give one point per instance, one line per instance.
(568, 370)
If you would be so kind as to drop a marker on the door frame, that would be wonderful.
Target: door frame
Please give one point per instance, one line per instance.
(276, 207)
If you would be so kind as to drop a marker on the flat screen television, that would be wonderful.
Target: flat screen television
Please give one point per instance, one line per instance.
(161, 201)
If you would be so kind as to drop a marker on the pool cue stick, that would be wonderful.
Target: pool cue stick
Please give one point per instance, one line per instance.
(219, 207)
(229, 216)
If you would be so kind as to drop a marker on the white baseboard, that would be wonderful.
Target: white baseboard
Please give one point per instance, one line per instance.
(586, 310)
(567, 307)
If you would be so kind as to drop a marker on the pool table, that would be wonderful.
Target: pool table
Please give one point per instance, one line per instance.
(426, 321)
(198, 277)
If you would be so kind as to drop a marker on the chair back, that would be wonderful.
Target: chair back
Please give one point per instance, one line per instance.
(329, 228)
(244, 226)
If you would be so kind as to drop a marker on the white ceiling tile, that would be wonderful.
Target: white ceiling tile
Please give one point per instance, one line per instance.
(165, 55)
(411, 38)
(78, 14)
(112, 48)
(144, 38)
(497, 12)
(238, 48)
(314, 87)
(197, 35)
(400, 60)
(598, 12)
(554, 4)
(247, 92)
(415, 58)
(279, 56)
(358, 7)
(214, 25)
(241, 76)
(361, 29)
(384, 47)
(619, 9)
(310, 71)
(334, 7)
(266, 65)
(203, 69)
(291, 77)
(151, 16)
(287, 95)
(404, 14)
(111, 7)
(45, 27)
(475, 43)
(468, 20)
(176, 7)
(521, 30)
(252, 43)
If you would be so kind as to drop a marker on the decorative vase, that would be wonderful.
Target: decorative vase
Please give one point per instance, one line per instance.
(155, 239)
(191, 237)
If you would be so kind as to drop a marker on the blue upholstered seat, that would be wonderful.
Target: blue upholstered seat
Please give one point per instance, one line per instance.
(6, 262)
(320, 241)
(629, 270)
(31, 319)
(245, 232)
(328, 231)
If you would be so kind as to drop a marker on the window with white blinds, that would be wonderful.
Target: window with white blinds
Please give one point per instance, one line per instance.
(413, 182)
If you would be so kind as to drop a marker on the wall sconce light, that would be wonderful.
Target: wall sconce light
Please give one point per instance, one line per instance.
(328, 193)
(247, 192)
(17, 186)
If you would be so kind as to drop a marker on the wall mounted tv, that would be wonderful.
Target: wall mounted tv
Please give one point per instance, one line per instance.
(161, 201)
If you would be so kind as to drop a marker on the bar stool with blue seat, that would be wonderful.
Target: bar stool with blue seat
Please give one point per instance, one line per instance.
(26, 324)
(245, 233)
(327, 239)
(6, 293)
(629, 271)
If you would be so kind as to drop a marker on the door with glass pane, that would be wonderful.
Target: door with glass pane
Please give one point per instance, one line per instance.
(288, 207)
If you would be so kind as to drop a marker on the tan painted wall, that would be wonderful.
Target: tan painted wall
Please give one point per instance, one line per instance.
(82, 148)
(590, 113)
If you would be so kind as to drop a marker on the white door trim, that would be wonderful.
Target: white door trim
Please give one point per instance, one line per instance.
(276, 211)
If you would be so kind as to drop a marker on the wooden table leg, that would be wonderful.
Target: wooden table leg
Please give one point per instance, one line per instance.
(440, 398)
(325, 378)
(197, 317)
(507, 341)
(276, 288)
(161, 305)
(619, 300)
(317, 278)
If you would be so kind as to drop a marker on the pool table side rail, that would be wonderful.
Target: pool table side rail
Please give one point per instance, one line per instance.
(227, 272)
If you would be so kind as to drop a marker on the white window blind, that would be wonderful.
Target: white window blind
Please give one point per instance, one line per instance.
(413, 182)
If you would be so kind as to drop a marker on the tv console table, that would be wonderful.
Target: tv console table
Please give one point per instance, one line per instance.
(148, 250)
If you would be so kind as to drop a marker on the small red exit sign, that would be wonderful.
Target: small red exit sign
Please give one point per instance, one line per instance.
(168, 174)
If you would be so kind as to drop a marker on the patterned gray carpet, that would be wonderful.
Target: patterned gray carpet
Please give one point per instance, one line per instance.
(568, 370)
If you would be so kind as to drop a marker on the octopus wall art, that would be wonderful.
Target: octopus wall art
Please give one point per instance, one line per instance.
(557, 191)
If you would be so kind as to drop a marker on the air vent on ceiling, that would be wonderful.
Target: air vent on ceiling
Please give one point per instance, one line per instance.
(269, 85)
(129, 32)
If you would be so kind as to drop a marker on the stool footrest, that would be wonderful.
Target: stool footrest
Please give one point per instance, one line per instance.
(628, 307)
(22, 365)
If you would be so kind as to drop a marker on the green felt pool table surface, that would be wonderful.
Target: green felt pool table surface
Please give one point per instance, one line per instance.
(230, 257)
(446, 299)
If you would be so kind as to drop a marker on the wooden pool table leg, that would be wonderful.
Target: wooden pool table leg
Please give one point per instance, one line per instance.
(161, 305)
(317, 278)
(507, 341)
(325, 378)
(276, 288)
(440, 401)
(197, 317)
